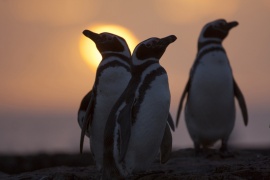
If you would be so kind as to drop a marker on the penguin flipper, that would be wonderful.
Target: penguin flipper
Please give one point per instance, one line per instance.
(241, 100)
(170, 122)
(166, 145)
(83, 107)
(87, 120)
(125, 122)
(181, 101)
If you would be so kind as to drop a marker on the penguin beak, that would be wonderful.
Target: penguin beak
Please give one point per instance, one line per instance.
(93, 36)
(231, 25)
(167, 40)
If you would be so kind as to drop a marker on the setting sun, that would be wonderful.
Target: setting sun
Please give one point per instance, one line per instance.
(88, 48)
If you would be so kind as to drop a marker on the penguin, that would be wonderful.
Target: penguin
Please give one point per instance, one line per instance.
(210, 90)
(138, 122)
(112, 77)
(166, 145)
(82, 110)
(167, 140)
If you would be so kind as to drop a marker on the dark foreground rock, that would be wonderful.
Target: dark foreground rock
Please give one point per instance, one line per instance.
(244, 164)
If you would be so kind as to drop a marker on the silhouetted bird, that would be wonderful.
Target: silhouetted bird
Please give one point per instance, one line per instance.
(112, 77)
(137, 123)
(210, 90)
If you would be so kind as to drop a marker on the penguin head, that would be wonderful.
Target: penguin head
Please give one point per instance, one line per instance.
(152, 48)
(217, 30)
(108, 43)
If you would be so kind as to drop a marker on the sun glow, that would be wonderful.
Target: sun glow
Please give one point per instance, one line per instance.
(88, 48)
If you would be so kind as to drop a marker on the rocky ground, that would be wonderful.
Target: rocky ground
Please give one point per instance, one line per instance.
(245, 164)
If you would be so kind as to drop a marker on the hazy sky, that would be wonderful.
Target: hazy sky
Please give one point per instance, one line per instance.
(44, 77)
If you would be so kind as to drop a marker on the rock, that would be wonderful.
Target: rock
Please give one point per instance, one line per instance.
(244, 164)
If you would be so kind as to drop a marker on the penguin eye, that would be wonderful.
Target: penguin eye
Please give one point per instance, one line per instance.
(156, 43)
(109, 38)
(216, 26)
(148, 45)
(220, 24)
(103, 36)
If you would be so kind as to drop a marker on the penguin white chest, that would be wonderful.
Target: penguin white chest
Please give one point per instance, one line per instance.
(112, 83)
(210, 110)
(156, 102)
(213, 82)
(149, 126)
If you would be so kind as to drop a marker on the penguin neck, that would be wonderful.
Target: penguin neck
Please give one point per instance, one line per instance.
(139, 72)
(209, 42)
(140, 62)
(209, 46)
(146, 77)
(121, 55)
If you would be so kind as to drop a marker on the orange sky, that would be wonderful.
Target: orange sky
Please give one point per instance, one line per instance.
(43, 76)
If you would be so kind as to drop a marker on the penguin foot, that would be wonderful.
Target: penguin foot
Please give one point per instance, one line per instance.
(223, 151)
(220, 154)
(226, 154)
(212, 154)
(198, 150)
(198, 154)
(148, 174)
